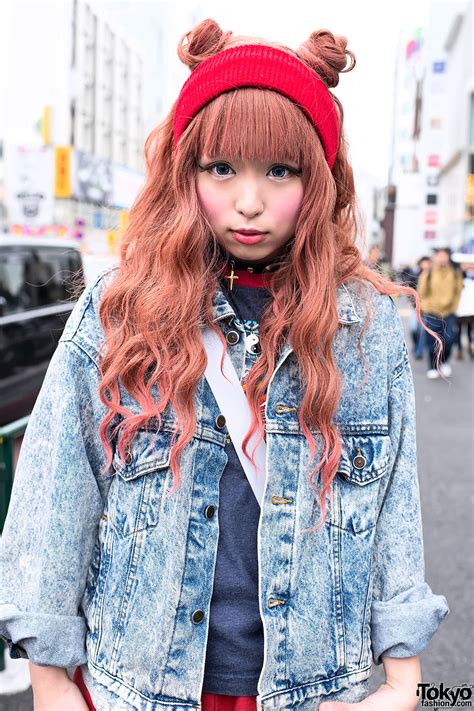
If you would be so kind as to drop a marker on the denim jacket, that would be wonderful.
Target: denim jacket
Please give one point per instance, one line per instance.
(107, 574)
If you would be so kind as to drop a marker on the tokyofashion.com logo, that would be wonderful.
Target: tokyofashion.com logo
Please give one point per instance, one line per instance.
(439, 696)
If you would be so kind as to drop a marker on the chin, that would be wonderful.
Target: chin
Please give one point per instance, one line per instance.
(252, 253)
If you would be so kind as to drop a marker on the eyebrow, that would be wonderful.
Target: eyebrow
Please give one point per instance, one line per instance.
(233, 160)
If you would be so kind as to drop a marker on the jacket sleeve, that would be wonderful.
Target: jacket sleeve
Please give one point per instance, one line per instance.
(52, 523)
(405, 613)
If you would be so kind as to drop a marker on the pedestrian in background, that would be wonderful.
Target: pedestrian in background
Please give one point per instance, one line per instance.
(416, 329)
(376, 260)
(439, 288)
(465, 310)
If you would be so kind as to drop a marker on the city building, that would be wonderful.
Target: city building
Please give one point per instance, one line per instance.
(448, 155)
(404, 235)
(84, 82)
(433, 135)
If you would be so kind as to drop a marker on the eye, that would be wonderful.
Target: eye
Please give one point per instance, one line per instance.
(210, 168)
(292, 171)
(223, 170)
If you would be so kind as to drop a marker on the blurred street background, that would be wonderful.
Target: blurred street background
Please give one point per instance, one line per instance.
(82, 84)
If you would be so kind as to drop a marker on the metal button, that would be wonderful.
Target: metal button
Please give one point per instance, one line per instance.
(280, 409)
(128, 456)
(233, 337)
(359, 460)
(197, 616)
(220, 421)
(209, 511)
(281, 500)
(274, 602)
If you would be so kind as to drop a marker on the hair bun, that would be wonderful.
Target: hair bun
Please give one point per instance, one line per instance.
(326, 54)
(203, 41)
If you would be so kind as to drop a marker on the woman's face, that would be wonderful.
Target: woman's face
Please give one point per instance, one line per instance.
(250, 195)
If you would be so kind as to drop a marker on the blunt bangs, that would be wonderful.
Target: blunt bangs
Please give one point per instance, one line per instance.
(255, 124)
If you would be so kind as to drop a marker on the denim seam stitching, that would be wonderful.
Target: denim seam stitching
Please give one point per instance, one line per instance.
(365, 615)
(400, 368)
(318, 683)
(82, 351)
(189, 518)
(122, 682)
(287, 675)
(125, 601)
(108, 543)
(88, 300)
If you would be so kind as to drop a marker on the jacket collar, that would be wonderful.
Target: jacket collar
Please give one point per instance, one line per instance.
(345, 306)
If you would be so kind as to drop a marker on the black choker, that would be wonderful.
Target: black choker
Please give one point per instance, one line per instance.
(252, 268)
(234, 264)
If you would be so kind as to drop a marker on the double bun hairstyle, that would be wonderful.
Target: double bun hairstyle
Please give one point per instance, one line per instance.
(154, 308)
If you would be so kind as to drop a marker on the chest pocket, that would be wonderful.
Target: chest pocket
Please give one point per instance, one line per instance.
(363, 464)
(136, 494)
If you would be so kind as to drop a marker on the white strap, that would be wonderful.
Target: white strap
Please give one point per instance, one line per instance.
(233, 404)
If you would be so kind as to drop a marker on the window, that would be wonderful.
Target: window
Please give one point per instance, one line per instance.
(35, 277)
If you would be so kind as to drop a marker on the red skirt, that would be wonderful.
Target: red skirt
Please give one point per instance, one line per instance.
(209, 702)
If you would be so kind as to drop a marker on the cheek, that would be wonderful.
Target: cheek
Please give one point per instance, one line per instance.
(211, 202)
(287, 206)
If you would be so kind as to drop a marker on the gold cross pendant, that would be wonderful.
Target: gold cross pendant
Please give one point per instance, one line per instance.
(232, 277)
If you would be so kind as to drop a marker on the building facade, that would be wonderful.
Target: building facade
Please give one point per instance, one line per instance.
(73, 133)
(432, 159)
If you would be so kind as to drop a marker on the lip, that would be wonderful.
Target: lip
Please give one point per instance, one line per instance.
(249, 231)
(249, 236)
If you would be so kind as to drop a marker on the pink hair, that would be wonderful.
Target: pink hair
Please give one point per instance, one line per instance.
(153, 310)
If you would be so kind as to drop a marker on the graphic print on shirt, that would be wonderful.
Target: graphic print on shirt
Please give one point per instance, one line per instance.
(251, 332)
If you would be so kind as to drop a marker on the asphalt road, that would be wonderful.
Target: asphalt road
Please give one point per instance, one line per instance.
(445, 426)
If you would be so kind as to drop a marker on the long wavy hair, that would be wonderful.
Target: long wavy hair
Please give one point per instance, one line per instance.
(153, 310)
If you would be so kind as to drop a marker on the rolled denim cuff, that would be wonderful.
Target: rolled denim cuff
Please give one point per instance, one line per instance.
(404, 625)
(50, 640)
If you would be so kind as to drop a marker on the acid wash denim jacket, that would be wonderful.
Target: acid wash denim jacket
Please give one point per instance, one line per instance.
(107, 574)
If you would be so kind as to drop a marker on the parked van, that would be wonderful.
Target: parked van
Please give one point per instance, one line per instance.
(38, 279)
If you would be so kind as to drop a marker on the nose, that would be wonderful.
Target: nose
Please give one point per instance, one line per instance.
(249, 201)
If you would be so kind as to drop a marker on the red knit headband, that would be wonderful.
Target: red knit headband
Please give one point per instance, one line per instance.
(265, 67)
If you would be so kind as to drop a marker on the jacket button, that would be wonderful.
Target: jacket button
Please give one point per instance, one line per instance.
(128, 456)
(274, 601)
(220, 421)
(359, 460)
(209, 511)
(232, 338)
(197, 616)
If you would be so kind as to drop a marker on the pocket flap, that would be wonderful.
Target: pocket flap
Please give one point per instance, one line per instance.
(364, 458)
(147, 451)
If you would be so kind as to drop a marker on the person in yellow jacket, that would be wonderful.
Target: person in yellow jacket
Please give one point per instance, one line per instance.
(440, 292)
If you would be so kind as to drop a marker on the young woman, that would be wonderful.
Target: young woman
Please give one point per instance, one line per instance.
(136, 549)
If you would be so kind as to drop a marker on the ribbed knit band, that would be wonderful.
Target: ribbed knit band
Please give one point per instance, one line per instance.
(264, 67)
